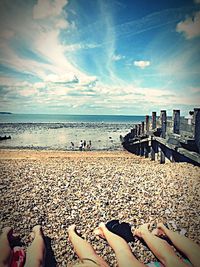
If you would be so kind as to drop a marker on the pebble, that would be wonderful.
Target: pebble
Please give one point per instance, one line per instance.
(60, 191)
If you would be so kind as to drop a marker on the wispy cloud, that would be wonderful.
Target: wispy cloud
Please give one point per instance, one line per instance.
(117, 57)
(77, 63)
(190, 27)
(41, 35)
(81, 46)
(46, 8)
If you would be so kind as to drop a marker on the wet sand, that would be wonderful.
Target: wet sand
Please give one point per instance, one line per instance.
(57, 189)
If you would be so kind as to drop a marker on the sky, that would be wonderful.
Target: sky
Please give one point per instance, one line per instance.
(118, 57)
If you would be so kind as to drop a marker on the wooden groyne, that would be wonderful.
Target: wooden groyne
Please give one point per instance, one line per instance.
(174, 139)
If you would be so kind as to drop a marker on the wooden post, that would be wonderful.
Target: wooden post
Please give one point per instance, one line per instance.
(176, 121)
(142, 128)
(153, 120)
(138, 149)
(133, 133)
(163, 117)
(197, 127)
(152, 153)
(136, 130)
(155, 148)
(147, 123)
(139, 129)
(161, 155)
(171, 158)
(141, 149)
(146, 153)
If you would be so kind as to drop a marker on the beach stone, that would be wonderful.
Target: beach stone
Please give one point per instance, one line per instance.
(57, 189)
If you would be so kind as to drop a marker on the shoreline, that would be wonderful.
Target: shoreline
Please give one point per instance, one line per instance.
(33, 153)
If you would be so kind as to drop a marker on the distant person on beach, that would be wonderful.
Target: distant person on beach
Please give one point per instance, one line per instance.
(72, 145)
(81, 145)
(15, 256)
(89, 145)
(125, 258)
(84, 144)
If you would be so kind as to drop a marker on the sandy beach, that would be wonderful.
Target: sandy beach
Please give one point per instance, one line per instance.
(57, 189)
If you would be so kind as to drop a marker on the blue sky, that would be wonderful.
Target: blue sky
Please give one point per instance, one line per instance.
(99, 57)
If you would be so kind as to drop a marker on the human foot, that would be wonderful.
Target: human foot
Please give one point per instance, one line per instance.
(158, 232)
(72, 230)
(141, 230)
(99, 231)
(37, 230)
(162, 227)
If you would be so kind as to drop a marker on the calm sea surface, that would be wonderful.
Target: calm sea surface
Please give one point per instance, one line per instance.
(41, 131)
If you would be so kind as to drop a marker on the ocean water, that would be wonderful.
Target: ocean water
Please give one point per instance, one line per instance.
(56, 132)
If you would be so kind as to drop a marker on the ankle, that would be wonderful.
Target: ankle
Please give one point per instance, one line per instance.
(144, 233)
(71, 231)
(37, 231)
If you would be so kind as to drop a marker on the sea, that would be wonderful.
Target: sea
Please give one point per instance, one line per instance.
(58, 132)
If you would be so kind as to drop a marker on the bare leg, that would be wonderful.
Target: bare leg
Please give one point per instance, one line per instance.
(5, 249)
(83, 249)
(36, 251)
(161, 249)
(122, 250)
(184, 244)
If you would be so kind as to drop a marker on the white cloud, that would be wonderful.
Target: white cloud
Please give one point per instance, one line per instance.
(102, 96)
(117, 57)
(48, 8)
(42, 37)
(73, 47)
(27, 92)
(141, 64)
(61, 79)
(190, 27)
(66, 78)
(61, 24)
(86, 80)
(39, 85)
(79, 46)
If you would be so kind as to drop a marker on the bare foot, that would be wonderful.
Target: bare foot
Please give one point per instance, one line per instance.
(99, 231)
(37, 230)
(157, 232)
(142, 229)
(162, 228)
(71, 230)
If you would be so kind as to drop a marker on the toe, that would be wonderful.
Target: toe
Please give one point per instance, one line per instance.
(99, 232)
(71, 228)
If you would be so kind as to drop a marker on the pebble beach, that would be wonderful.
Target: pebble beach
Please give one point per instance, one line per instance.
(57, 189)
